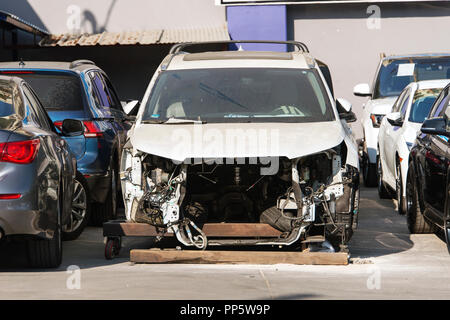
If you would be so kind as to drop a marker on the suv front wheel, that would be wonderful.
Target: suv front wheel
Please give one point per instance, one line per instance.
(415, 220)
(80, 214)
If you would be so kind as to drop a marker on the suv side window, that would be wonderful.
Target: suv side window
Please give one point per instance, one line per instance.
(440, 104)
(111, 93)
(104, 94)
(444, 110)
(96, 84)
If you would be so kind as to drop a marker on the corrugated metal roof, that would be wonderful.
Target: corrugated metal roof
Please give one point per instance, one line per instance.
(22, 24)
(147, 37)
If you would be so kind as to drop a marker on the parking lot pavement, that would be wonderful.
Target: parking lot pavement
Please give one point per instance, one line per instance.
(387, 263)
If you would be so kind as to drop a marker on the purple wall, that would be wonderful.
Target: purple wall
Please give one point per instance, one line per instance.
(258, 23)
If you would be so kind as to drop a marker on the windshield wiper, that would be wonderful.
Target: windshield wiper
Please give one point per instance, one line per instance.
(219, 94)
(175, 121)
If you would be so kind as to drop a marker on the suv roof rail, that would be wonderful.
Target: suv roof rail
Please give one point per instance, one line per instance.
(180, 46)
(77, 63)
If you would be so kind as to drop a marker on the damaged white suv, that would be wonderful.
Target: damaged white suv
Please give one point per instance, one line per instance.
(243, 137)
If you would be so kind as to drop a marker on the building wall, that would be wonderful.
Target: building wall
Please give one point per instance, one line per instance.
(258, 23)
(94, 16)
(339, 35)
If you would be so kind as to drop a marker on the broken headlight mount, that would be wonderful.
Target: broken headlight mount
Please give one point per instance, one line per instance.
(156, 195)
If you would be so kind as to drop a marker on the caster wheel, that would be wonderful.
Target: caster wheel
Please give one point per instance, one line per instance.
(112, 248)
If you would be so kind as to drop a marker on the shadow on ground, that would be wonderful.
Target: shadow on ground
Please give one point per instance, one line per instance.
(381, 231)
(85, 252)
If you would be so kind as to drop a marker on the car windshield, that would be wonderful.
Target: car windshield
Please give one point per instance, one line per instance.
(395, 75)
(56, 91)
(422, 103)
(239, 95)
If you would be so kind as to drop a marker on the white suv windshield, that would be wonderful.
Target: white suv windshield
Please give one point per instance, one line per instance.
(239, 95)
(395, 75)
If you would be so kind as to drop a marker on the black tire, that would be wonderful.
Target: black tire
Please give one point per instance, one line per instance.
(414, 217)
(383, 192)
(43, 253)
(80, 216)
(369, 172)
(102, 212)
(112, 248)
(399, 190)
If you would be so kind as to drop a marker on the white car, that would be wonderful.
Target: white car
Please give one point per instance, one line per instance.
(398, 131)
(242, 137)
(394, 73)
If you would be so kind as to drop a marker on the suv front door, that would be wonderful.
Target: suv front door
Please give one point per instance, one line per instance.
(436, 164)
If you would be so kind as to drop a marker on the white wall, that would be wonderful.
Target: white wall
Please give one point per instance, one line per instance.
(339, 35)
(58, 16)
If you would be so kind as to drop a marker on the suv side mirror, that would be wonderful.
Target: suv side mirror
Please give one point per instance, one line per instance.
(72, 128)
(435, 126)
(395, 119)
(131, 108)
(362, 90)
(344, 108)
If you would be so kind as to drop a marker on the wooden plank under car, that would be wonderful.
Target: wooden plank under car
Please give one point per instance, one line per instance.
(238, 230)
(158, 256)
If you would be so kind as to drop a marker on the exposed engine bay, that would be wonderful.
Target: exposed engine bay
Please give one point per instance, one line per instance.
(315, 195)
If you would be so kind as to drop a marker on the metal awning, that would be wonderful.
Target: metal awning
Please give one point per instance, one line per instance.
(12, 22)
(149, 37)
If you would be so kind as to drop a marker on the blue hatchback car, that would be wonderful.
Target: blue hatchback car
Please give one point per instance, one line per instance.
(81, 90)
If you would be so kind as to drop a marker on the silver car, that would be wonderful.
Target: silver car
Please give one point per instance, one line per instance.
(37, 173)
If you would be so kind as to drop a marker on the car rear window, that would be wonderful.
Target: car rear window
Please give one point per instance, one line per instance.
(6, 102)
(57, 91)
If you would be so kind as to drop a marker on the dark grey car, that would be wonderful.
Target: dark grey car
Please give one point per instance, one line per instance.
(37, 173)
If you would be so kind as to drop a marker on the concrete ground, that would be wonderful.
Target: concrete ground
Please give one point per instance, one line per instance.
(387, 263)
